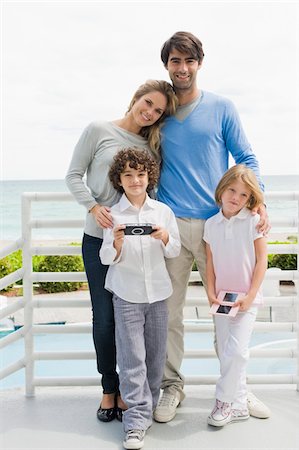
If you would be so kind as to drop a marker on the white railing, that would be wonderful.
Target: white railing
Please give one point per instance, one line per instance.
(28, 303)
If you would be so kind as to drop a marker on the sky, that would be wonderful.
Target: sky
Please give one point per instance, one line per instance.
(65, 64)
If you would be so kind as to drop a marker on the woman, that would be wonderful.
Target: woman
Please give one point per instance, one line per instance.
(93, 155)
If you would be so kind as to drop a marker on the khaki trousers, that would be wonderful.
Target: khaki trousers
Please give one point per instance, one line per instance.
(179, 268)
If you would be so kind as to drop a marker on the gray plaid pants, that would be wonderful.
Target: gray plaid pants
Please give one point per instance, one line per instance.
(141, 336)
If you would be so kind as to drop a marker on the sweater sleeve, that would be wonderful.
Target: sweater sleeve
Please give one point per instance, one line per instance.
(237, 143)
(82, 157)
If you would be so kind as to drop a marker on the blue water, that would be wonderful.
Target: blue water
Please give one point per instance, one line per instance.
(10, 206)
(83, 342)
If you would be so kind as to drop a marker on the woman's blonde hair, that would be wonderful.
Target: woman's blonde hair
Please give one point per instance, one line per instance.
(245, 174)
(152, 133)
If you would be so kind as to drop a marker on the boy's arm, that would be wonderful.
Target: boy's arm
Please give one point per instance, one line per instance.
(109, 252)
(172, 245)
(210, 274)
(261, 265)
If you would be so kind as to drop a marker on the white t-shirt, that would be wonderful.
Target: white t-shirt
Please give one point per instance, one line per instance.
(232, 246)
(139, 275)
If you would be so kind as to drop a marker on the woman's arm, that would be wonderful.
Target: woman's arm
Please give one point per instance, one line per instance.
(82, 157)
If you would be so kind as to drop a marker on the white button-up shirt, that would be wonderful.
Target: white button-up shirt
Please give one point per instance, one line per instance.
(139, 274)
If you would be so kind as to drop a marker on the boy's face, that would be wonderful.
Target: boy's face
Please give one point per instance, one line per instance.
(134, 182)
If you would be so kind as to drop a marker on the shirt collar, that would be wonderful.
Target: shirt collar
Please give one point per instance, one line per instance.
(243, 214)
(124, 203)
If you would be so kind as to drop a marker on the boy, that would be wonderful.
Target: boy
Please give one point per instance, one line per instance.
(140, 283)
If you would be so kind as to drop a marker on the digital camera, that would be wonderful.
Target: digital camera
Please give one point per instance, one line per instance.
(138, 229)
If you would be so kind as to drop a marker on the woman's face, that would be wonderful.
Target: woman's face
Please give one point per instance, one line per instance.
(149, 108)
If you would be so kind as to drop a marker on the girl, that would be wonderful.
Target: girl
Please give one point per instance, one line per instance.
(93, 155)
(236, 261)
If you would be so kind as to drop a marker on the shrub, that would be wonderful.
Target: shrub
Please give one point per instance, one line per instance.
(5, 269)
(284, 262)
(66, 263)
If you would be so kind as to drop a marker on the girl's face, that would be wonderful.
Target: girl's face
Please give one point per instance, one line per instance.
(235, 197)
(148, 109)
(134, 183)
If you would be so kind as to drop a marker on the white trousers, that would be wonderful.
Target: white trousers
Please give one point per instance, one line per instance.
(233, 337)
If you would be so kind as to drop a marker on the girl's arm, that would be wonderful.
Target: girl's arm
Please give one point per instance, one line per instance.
(210, 274)
(261, 265)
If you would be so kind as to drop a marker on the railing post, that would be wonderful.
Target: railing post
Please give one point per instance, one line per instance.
(297, 290)
(27, 294)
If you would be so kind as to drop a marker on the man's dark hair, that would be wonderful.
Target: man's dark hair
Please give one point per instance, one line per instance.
(184, 42)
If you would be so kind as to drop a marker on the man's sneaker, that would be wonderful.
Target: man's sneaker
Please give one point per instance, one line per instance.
(239, 414)
(134, 439)
(221, 414)
(257, 408)
(166, 408)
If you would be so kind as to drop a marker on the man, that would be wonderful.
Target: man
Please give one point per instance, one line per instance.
(196, 144)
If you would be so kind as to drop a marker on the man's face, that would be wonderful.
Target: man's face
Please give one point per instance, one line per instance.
(182, 69)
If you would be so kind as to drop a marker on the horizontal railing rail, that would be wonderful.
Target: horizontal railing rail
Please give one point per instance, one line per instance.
(28, 303)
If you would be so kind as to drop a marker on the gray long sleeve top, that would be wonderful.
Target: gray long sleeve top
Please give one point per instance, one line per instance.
(93, 156)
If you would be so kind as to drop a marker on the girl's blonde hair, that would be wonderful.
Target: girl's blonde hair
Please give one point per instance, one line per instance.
(152, 133)
(245, 174)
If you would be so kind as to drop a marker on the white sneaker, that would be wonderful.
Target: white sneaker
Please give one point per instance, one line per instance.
(166, 408)
(257, 408)
(134, 439)
(239, 414)
(221, 414)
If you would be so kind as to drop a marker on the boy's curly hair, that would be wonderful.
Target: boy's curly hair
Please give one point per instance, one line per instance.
(137, 159)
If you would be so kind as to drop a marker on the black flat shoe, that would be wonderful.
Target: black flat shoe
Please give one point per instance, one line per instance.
(119, 413)
(106, 415)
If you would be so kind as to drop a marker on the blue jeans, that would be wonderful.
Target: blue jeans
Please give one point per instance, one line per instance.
(102, 314)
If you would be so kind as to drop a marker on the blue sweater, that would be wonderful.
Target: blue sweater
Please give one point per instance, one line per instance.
(195, 155)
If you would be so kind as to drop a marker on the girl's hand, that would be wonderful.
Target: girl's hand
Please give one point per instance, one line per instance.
(244, 303)
(102, 216)
(119, 236)
(213, 299)
(160, 233)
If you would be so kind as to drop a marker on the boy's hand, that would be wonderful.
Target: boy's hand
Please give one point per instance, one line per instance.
(119, 235)
(160, 233)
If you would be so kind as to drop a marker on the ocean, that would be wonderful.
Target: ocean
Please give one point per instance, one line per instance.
(10, 206)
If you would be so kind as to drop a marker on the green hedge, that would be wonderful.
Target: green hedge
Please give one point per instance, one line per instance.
(40, 263)
(65, 263)
(284, 262)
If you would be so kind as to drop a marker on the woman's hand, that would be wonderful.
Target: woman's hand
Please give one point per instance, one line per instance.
(102, 216)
